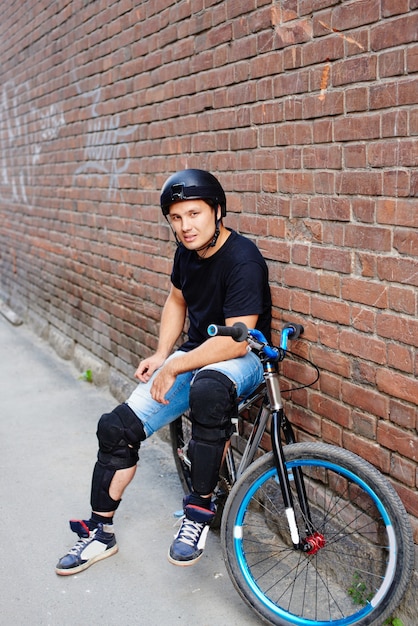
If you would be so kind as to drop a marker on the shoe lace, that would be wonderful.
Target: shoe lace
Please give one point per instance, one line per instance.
(81, 543)
(190, 532)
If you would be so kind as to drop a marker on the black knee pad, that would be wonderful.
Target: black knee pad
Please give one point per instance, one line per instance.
(100, 500)
(120, 433)
(206, 461)
(213, 404)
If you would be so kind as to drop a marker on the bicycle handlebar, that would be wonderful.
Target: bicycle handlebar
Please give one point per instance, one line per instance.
(238, 332)
(255, 338)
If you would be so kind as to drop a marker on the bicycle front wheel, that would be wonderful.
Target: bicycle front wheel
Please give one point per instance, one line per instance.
(363, 555)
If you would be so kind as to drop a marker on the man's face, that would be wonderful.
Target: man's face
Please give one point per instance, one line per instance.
(193, 222)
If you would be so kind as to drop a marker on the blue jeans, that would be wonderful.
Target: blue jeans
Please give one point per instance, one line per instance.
(245, 372)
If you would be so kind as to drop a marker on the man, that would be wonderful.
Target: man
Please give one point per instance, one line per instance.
(219, 277)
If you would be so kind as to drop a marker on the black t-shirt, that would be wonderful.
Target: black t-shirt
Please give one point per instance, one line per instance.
(231, 283)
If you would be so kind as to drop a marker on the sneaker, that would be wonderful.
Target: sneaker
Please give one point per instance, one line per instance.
(94, 545)
(189, 543)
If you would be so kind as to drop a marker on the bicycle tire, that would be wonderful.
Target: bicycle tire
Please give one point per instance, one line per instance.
(357, 578)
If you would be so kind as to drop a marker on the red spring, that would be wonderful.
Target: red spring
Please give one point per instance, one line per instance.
(314, 543)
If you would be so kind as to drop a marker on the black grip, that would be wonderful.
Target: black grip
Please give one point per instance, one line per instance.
(238, 331)
(296, 328)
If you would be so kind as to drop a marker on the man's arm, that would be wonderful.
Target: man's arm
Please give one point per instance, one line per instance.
(171, 327)
(213, 350)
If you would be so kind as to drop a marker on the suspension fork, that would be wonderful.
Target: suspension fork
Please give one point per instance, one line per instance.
(280, 422)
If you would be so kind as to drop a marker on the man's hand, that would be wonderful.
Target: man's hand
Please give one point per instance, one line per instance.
(163, 382)
(148, 366)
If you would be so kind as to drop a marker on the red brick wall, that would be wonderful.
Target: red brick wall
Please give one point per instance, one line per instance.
(305, 109)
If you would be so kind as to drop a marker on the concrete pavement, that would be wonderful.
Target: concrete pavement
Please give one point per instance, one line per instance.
(48, 448)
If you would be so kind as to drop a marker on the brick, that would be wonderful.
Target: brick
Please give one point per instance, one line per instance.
(412, 59)
(333, 260)
(397, 212)
(369, 450)
(396, 32)
(403, 415)
(363, 319)
(355, 155)
(403, 470)
(409, 498)
(365, 292)
(334, 411)
(335, 362)
(383, 95)
(364, 209)
(402, 299)
(400, 358)
(330, 311)
(321, 51)
(330, 284)
(291, 134)
(329, 157)
(398, 270)
(365, 347)
(354, 71)
(355, 127)
(390, 8)
(391, 63)
(408, 92)
(366, 12)
(291, 83)
(394, 438)
(406, 242)
(402, 329)
(296, 182)
(295, 277)
(366, 399)
(395, 124)
(368, 237)
(330, 208)
(398, 385)
(322, 131)
(332, 433)
(364, 425)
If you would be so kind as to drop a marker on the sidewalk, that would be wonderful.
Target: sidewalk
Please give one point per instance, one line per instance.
(48, 448)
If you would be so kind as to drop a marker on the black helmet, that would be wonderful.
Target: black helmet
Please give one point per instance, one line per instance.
(192, 185)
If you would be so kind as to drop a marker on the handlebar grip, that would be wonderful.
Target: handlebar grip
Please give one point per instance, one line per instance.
(296, 330)
(238, 331)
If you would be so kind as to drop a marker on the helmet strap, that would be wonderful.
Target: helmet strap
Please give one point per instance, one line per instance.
(212, 243)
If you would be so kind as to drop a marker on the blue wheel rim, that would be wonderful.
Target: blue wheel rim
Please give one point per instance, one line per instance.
(278, 611)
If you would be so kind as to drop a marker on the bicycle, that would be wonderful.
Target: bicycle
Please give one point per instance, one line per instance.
(312, 534)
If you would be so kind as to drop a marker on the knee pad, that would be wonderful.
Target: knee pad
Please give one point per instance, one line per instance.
(213, 404)
(206, 459)
(100, 500)
(119, 433)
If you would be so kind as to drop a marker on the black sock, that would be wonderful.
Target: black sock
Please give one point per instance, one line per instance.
(197, 500)
(97, 519)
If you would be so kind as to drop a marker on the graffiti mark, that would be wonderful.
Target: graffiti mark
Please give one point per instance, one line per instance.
(106, 150)
(25, 129)
(324, 81)
(340, 34)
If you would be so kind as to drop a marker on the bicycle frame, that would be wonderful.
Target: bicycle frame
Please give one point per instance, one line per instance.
(272, 406)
